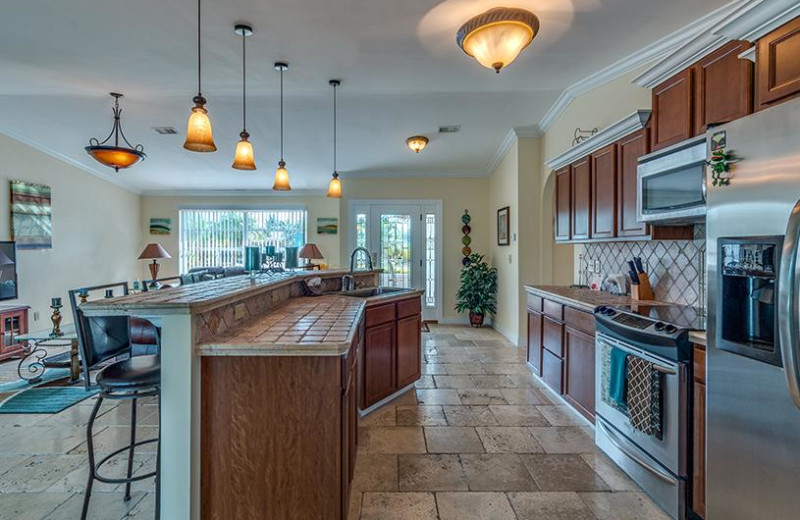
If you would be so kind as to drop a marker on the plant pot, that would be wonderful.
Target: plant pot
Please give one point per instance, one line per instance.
(475, 319)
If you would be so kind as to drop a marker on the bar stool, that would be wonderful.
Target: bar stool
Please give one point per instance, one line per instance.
(106, 338)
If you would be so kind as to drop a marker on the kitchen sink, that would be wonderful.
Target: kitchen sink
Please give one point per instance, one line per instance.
(368, 292)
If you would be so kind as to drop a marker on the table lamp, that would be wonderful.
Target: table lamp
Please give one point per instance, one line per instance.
(154, 251)
(310, 252)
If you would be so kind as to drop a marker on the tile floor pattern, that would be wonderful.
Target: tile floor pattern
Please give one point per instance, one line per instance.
(479, 438)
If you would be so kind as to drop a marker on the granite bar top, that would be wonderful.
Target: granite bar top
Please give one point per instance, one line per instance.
(392, 296)
(584, 299)
(307, 326)
(698, 337)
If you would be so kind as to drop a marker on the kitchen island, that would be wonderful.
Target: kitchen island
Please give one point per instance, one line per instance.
(259, 393)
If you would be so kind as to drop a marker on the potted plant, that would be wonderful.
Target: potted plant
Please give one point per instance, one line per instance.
(478, 291)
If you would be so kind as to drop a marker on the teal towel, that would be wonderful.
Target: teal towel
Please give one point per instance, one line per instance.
(618, 375)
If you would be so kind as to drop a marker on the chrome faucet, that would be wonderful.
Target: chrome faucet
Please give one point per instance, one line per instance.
(348, 281)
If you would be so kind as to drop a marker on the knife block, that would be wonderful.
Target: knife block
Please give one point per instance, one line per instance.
(643, 291)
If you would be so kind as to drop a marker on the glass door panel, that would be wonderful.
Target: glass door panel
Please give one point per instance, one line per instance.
(394, 230)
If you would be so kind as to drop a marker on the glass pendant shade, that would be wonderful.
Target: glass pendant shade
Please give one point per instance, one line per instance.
(335, 187)
(281, 178)
(199, 136)
(114, 156)
(244, 158)
(417, 143)
(496, 37)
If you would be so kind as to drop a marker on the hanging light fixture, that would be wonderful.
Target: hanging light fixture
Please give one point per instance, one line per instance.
(199, 137)
(335, 186)
(417, 143)
(281, 174)
(115, 156)
(495, 38)
(244, 159)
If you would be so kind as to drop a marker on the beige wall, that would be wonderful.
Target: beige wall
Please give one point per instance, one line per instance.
(456, 194)
(95, 233)
(168, 207)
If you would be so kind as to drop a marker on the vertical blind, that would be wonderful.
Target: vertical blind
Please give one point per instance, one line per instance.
(216, 237)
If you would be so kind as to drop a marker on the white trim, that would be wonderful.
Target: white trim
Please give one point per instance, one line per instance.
(512, 137)
(608, 135)
(410, 174)
(370, 409)
(233, 193)
(72, 162)
(242, 207)
(759, 17)
(749, 54)
(509, 335)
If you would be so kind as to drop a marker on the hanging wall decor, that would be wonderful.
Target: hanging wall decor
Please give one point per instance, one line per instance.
(503, 227)
(31, 215)
(466, 240)
(160, 226)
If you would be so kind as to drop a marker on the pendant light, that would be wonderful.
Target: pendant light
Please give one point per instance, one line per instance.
(115, 156)
(495, 38)
(199, 137)
(243, 159)
(335, 186)
(281, 174)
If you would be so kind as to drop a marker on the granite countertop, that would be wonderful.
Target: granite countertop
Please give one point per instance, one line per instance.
(698, 337)
(307, 326)
(584, 299)
(380, 299)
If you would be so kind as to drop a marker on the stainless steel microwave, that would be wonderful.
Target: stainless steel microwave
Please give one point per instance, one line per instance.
(671, 184)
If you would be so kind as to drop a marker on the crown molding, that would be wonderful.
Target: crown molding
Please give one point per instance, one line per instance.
(234, 193)
(72, 162)
(511, 137)
(757, 18)
(608, 135)
(403, 174)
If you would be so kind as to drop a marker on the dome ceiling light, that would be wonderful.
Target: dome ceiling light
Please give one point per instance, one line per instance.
(417, 142)
(495, 38)
(243, 158)
(199, 137)
(115, 156)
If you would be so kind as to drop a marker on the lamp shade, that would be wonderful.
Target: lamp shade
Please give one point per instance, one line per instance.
(281, 178)
(153, 251)
(244, 159)
(496, 37)
(310, 251)
(417, 142)
(335, 187)
(199, 136)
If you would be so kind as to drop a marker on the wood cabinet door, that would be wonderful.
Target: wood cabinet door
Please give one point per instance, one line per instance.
(604, 192)
(535, 341)
(379, 370)
(723, 87)
(553, 371)
(409, 354)
(582, 199)
(778, 62)
(630, 148)
(553, 336)
(699, 450)
(347, 433)
(672, 110)
(563, 206)
(579, 379)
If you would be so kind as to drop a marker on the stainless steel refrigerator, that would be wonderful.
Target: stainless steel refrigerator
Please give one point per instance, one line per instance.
(753, 399)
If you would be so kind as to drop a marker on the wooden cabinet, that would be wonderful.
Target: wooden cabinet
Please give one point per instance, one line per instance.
(579, 377)
(778, 62)
(604, 192)
(552, 346)
(349, 429)
(582, 199)
(699, 433)
(535, 322)
(673, 114)
(379, 364)
(13, 322)
(563, 205)
(553, 371)
(723, 87)
(629, 150)
(409, 353)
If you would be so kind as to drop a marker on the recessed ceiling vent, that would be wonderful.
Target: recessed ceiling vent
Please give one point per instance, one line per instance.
(165, 130)
(449, 129)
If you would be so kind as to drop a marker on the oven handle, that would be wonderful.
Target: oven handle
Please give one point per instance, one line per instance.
(664, 370)
(788, 305)
(670, 371)
(613, 439)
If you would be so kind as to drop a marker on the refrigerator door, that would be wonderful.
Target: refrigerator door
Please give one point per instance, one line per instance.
(753, 422)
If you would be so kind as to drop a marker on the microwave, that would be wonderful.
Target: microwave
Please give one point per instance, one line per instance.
(671, 184)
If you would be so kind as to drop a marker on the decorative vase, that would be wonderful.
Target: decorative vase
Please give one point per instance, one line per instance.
(476, 319)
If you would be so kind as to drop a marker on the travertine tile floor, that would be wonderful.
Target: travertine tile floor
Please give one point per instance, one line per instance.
(479, 438)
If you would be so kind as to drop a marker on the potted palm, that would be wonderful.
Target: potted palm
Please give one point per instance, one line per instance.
(478, 291)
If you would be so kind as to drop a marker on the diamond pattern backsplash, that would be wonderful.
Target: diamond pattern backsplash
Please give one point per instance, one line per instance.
(676, 267)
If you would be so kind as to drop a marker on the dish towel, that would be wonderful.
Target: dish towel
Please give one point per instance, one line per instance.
(618, 376)
(644, 396)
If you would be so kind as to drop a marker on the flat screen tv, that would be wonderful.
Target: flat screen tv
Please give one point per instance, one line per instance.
(8, 271)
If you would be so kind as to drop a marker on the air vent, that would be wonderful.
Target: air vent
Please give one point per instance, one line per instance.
(449, 129)
(165, 130)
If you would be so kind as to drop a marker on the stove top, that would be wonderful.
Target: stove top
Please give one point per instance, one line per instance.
(680, 316)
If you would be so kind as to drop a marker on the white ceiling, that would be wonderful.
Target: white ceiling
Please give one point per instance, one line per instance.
(401, 71)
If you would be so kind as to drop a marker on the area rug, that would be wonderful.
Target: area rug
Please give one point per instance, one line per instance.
(45, 400)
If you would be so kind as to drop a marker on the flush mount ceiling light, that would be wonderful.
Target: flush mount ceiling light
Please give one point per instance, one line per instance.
(495, 38)
(199, 137)
(115, 156)
(417, 143)
(335, 186)
(281, 174)
(244, 159)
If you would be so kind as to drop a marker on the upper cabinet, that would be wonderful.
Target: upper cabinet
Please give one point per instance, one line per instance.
(778, 62)
(582, 199)
(723, 86)
(563, 207)
(673, 116)
(629, 149)
(604, 192)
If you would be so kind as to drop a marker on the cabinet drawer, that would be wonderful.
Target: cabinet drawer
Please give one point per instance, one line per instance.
(579, 320)
(552, 371)
(553, 309)
(699, 364)
(552, 337)
(534, 303)
(380, 314)
(408, 307)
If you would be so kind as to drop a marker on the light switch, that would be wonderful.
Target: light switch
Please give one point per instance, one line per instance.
(510, 259)
(597, 266)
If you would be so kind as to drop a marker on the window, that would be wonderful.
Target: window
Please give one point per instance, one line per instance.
(216, 237)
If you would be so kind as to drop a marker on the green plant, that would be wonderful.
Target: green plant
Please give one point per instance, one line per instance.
(478, 290)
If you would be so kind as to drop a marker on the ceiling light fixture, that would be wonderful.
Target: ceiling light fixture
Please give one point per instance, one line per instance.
(115, 156)
(495, 38)
(417, 143)
(281, 174)
(335, 186)
(199, 137)
(244, 159)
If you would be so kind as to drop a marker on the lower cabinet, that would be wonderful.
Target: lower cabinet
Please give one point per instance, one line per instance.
(379, 368)
(553, 371)
(699, 433)
(534, 356)
(409, 350)
(579, 380)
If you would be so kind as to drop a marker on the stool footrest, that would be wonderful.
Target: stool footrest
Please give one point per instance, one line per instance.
(122, 480)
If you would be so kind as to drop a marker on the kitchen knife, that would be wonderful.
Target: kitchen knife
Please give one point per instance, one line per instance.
(632, 266)
(638, 261)
(634, 277)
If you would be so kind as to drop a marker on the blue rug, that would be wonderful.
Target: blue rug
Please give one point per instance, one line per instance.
(45, 400)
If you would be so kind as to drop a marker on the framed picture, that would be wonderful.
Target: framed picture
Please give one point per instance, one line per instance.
(327, 226)
(160, 226)
(503, 227)
(31, 215)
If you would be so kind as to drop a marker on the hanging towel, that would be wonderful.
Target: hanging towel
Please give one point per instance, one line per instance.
(644, 396)
(618, 376)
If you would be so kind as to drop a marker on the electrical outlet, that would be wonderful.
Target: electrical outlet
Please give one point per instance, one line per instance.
(597, 266)
(36, 316)
(510, 259)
